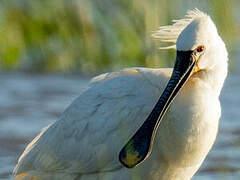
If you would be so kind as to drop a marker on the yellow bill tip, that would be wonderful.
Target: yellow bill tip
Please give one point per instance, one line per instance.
(131, 159)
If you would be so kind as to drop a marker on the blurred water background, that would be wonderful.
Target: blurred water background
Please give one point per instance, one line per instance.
(49, 49)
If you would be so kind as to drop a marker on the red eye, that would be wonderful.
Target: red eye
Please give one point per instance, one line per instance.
(200, 48)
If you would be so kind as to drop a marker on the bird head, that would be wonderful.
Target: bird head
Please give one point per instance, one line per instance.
(196, 33)
(201, 37)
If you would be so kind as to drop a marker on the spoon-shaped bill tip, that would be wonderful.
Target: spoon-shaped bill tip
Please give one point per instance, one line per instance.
(138, 148)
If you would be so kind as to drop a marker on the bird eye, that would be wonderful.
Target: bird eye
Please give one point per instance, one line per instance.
(200, 48)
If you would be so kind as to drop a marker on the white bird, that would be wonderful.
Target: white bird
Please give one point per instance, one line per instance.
(110, 132)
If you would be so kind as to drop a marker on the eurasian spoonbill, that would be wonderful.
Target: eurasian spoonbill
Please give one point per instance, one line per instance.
(119, 128)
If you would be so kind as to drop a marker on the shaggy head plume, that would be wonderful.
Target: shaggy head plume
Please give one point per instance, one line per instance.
(170, 33)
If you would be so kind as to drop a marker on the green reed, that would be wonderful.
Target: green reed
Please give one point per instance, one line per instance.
(91, 36)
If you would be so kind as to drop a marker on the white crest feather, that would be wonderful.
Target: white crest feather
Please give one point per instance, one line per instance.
(170, 33)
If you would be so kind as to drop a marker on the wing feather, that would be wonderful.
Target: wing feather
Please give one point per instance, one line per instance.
(90, 133)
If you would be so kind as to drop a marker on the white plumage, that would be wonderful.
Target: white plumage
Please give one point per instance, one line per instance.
(85, 142)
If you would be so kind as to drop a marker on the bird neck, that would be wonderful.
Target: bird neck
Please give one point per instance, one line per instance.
(215, 76)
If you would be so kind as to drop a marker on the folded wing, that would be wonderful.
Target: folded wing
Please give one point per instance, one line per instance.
(90, 133)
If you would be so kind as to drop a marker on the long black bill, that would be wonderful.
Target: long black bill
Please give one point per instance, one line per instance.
(139, 147)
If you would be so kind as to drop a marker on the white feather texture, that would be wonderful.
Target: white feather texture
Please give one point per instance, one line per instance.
(171, 33)
(85, 142)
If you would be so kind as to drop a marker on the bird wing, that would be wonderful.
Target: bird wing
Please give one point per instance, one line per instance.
(91, 132)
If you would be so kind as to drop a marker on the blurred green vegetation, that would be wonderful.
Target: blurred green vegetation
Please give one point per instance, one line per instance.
(90, 36)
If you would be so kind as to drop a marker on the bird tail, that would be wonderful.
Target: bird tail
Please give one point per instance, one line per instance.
(45, 176)
(25, 176)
